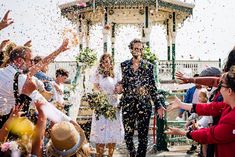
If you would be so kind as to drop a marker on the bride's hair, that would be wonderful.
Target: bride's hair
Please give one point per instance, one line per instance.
(101, 70)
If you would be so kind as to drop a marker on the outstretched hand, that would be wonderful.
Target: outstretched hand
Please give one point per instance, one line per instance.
(5, 22)
(180, 76)
(175, 131)
(16, 110)
(174, 104)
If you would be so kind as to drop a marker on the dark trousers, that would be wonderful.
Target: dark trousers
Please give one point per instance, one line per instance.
(133, 116)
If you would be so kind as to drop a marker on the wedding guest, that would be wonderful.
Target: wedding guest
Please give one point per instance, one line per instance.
(191, 96)
(41, 75)
(222, 134)
(20, 59)
(105, 131)
(58, 88)
(72, 144)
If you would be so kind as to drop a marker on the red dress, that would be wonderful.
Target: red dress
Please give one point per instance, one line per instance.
(222, 134)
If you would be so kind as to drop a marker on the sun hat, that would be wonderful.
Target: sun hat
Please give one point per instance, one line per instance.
(66, 140)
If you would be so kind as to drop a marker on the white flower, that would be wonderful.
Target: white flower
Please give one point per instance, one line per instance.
(13, 145)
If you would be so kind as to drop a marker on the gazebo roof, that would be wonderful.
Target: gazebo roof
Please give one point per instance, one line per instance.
(173, 5)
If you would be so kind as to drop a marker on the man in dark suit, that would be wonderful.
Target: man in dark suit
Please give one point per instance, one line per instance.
(138, 88)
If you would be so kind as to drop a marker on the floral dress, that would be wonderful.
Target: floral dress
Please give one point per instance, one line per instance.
(104, 130)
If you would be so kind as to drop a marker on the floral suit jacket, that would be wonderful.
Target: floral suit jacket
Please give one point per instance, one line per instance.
(139, 85)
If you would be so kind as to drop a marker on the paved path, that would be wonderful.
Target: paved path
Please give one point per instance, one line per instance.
(174, 151)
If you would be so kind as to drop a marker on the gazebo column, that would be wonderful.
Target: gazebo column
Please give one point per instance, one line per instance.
(168, 41)
(113, 39)
(146, 32)
(105, 31)
(87, 33)
(173, 46)
(80, 33)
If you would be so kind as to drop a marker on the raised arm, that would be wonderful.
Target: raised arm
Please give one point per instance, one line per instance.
(5, 22)
(39, 131)
(48, 59)
(207, 81)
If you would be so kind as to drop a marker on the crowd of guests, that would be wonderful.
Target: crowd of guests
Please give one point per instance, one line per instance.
(219, 135)
(33, 121)
(25, 87)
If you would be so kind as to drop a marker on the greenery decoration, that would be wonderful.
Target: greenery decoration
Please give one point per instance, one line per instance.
(149, 56)
(86, 58)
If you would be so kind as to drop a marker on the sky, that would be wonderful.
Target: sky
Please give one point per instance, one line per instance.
(209, 34)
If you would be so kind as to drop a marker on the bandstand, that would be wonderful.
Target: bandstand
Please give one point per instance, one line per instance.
(145, 13)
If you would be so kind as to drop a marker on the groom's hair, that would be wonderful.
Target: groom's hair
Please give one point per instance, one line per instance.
(133, 42)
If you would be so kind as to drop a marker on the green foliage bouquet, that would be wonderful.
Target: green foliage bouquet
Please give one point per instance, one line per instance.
(149, 56)
(98, 101)
(86, 58)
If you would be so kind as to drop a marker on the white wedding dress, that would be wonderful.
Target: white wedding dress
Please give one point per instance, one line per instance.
(104, 130)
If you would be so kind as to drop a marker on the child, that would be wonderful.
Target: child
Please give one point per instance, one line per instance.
(203, 122)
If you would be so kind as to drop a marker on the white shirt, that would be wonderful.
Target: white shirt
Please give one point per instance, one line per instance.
(7, 99)
(57, 96)
(195, 96)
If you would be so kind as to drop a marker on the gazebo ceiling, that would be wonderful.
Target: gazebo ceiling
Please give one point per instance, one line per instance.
(127, 11)
(170, 5)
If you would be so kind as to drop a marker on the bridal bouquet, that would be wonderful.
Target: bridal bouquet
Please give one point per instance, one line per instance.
(98, 101)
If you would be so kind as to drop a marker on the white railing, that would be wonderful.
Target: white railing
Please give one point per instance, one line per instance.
(186, 66)
(189, 67)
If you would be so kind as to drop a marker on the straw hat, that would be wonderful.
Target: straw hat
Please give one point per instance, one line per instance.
(66, 140)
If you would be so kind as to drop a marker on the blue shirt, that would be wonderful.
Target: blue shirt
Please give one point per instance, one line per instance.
(45, 79)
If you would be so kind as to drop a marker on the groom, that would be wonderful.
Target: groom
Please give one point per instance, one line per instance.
(138, 88)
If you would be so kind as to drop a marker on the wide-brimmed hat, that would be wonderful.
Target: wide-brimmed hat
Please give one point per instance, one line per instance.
(66, 140)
